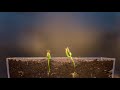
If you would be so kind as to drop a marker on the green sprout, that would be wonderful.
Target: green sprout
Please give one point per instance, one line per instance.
(69, 55)
(49, 58)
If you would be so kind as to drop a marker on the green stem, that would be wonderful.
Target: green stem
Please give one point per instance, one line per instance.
(48, 66)
(73, 62)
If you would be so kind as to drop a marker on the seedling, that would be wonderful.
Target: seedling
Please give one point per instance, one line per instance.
(48, 58)
(69, 55)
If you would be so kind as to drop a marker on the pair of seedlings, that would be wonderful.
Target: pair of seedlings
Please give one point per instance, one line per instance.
(68, 54)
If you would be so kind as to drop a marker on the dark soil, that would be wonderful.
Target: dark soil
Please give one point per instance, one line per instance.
(60, 68)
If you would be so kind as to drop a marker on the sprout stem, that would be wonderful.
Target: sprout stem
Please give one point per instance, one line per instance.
(69, 55)
(49, 59)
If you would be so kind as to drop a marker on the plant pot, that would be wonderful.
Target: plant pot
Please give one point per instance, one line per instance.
(60, 67)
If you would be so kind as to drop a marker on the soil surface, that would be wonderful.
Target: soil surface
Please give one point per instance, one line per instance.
(61, 67)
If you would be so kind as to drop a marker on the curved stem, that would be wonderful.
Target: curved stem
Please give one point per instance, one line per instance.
(73, 62)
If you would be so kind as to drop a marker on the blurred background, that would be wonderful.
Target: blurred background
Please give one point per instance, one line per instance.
(87, 34)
